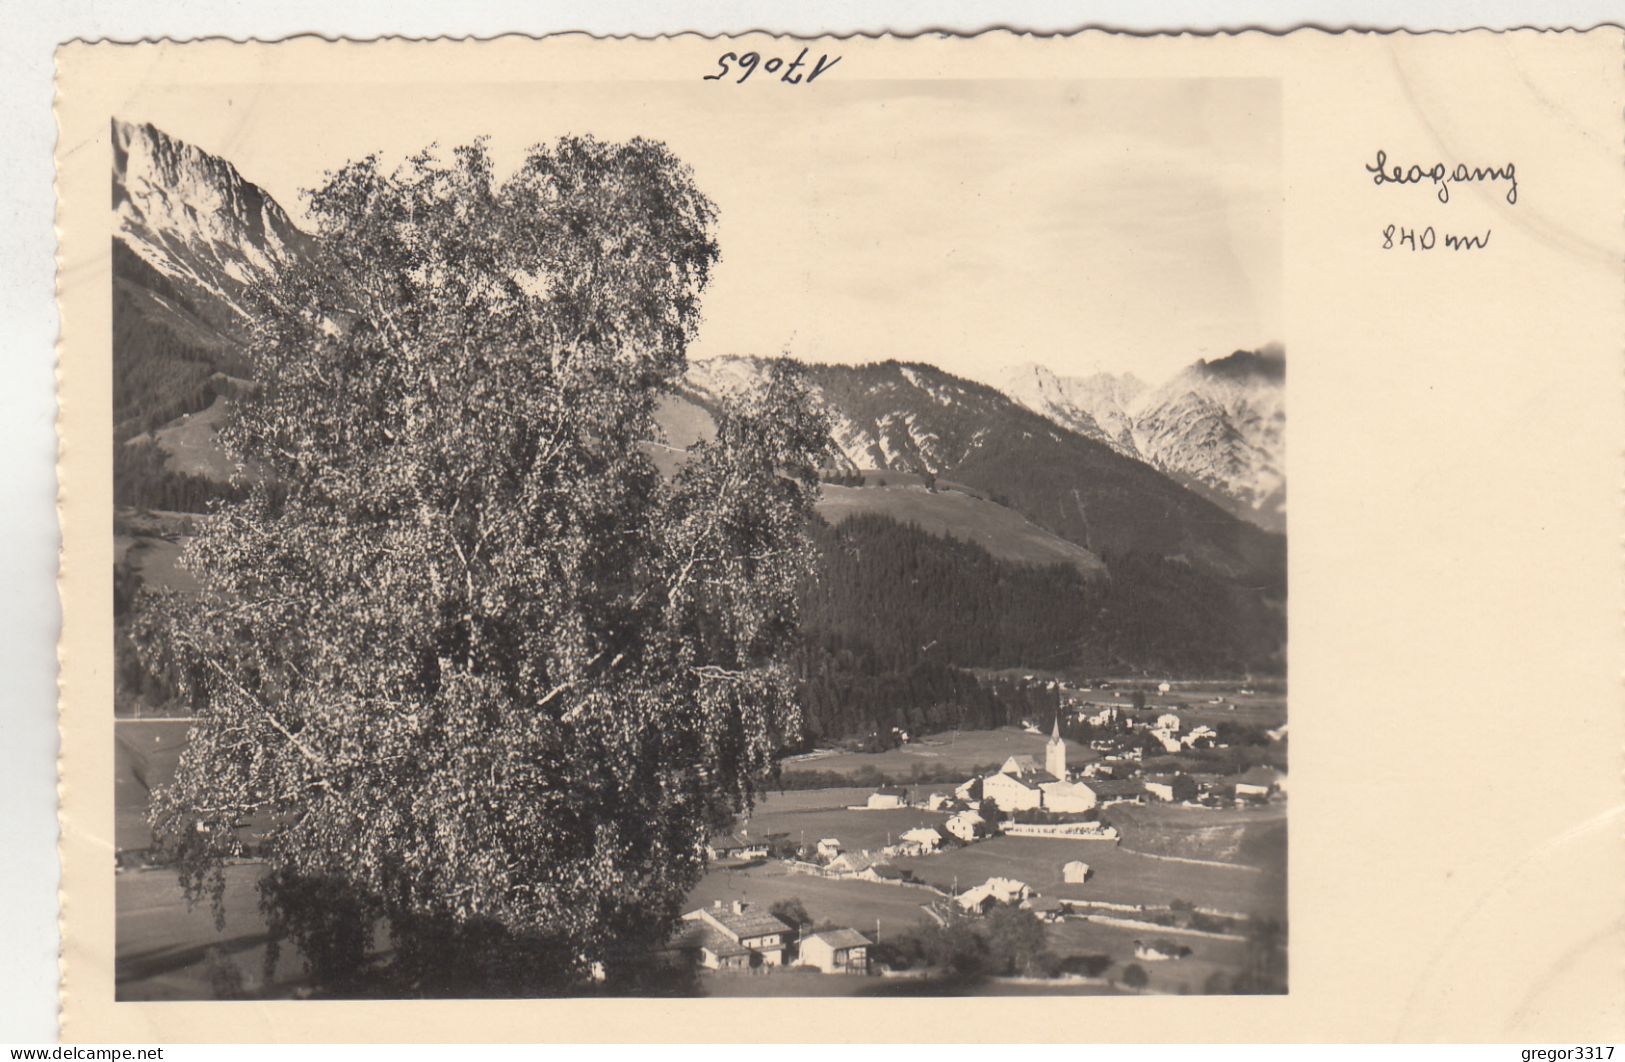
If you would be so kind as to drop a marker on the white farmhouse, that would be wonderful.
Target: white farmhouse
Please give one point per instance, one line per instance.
(836, 951)
(920, 840)
(964, 825)
(1015, 792)
(993, 891)
(888, 796)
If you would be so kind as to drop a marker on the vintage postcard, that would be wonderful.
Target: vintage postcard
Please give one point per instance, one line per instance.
(746, 538)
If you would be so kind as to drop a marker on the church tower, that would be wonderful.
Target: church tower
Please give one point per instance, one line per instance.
(1055, 752)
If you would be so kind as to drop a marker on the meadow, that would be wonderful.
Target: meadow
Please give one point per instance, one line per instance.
(959, 752)
(1119, 874)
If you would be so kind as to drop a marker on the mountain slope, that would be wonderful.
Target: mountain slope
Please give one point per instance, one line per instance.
(1216, 427)
(1220, 425)
(191, 236)
(1094, 406)
(193, 218)
(946, 509)
(917, 418)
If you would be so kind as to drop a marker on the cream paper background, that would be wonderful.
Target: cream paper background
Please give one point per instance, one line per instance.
(1456, 427)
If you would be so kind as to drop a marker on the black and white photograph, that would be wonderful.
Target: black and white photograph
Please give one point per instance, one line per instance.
(785, 533)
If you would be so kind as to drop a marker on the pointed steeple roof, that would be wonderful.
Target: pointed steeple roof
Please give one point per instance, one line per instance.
(1055, 734)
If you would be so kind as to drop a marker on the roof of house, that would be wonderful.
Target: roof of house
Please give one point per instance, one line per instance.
(854, 861)
(841, 938)
(1023, 763)
(1114, 787)
(1029, 780)
(891, 790)
(830, 840)
(1260, 776)
(707, 937)
(889, 872)
(747, 923)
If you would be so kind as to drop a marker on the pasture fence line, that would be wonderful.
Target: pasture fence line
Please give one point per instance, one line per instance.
(1152, 927)
(1196, 862)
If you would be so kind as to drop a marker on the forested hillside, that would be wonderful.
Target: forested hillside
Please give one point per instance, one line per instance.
(897, 617)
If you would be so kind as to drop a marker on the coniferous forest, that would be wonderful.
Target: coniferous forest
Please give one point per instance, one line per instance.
(896, 619)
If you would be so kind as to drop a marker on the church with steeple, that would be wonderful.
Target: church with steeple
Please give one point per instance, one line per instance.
(1055, 752)
(1021, 784)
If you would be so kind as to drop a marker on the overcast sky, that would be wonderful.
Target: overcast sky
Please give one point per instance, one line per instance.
(1091, 224)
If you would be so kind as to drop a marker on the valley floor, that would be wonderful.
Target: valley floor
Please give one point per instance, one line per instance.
(1230, 862)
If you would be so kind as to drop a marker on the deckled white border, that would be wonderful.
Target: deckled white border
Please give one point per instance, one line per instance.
(28, 529)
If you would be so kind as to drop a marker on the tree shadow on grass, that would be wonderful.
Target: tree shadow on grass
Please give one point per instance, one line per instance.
(155, 962)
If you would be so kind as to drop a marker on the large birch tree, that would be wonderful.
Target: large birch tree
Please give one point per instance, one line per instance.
(464, 663)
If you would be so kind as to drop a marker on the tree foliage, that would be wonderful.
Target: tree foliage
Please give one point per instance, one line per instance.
(474, 664)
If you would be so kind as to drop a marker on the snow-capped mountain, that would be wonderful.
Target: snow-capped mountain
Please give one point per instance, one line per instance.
(1096, 405)
(1221, 425)
(193, 236)
(192, 217)
(909, 434)
(1217, 426)
(916, 418)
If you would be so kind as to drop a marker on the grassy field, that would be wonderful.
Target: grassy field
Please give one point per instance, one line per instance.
(1249, 836)
(858, 904)
(190, 447)
(1002, 532)
(1076, 936)
(959, 751)
(813, 821)
(1120, 875)
(163, 947)
(145, 753)
(166, 951)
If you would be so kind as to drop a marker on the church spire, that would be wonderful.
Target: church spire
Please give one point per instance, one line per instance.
(1055, 751)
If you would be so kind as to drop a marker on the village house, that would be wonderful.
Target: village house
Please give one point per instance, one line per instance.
(1258, 782)
(881, 873)
(735, 937)
(1021, 785)
(1174, 788)
(735, 847)
(1159, 950)
(1019, 765)
(1075, 872)
(1110, 791)
(937, 801)
(850, 864)
(1203, 737)
(1016, 792)
(1048, 908)
(922, 840)
(888, 796)
(991, 892)
(1168, 739)
(836, 951)
(828, 848)
(970, 791)
(1107, 716)
(965, 825)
